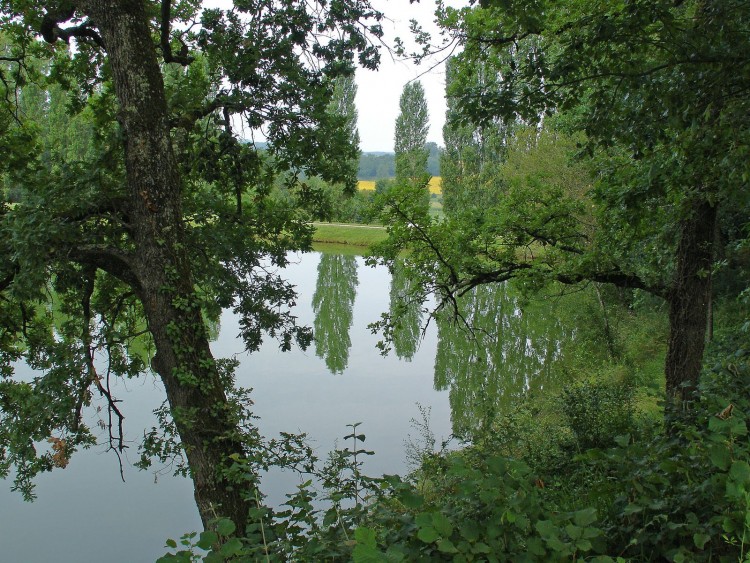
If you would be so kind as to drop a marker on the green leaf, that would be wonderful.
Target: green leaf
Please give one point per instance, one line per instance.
(365, 536)
(632, 508)
(535, 546)
(716, 424)
(225, 527)
(207, 539)
(720, 456)
(171, 543)
(590, 533)
(428, 535)
(368, 554)
(423, 519)
(410, 499)
(622, 441)
(740, 472)
(585, 517)
(469, 530)
(546, 529)
(737, 426)
(480, 547)
(574, 532)
(446, 546)
(700, 540)
(441, 523)
(232, 547)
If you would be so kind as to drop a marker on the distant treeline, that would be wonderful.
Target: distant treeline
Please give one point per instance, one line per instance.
(375, 165)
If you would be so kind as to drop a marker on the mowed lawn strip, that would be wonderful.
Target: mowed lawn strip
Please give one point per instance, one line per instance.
(355, 235)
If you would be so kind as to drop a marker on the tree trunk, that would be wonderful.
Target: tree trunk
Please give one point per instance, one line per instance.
(197, 398)
(689, 301)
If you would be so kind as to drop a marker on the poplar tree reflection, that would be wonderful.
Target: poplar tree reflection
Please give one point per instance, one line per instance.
(406, 310)
(511, 352)
(332, 303)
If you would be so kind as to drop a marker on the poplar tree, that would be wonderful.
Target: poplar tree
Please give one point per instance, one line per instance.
(412, 125)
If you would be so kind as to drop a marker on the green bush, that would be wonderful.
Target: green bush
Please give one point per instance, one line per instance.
(598, 411)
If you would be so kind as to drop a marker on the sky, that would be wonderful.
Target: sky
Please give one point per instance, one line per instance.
(378, 92)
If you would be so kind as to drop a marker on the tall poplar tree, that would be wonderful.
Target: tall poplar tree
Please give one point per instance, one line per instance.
(472, 156)
(412, 126)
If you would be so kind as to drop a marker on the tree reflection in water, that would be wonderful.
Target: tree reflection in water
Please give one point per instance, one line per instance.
(500, 348)
(406, 311)
(332, 303)
(507, 352)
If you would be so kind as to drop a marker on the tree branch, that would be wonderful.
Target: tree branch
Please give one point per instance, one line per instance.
(110, 260)
(614, 277)
(166, 48)
(51, 30)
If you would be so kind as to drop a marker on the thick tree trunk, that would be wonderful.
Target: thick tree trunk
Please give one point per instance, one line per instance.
(183, 360)
(689, 300)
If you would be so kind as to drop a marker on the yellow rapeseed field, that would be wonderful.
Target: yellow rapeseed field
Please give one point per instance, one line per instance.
(434, 185)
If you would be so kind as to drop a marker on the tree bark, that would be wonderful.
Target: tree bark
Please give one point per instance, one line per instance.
(194, 387)
(689, 300)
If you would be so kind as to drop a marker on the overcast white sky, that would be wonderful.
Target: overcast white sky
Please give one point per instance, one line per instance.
(378, 92)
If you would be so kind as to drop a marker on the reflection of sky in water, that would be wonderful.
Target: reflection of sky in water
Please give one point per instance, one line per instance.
(86, 514)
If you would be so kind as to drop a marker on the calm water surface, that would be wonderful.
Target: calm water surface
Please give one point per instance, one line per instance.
(85, 513)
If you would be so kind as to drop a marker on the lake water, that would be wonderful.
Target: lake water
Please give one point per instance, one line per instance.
(85, 513)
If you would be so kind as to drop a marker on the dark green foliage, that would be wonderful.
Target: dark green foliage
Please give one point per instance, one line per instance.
(598, 411)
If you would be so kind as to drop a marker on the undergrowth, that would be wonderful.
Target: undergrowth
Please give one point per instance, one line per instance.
(585, 474)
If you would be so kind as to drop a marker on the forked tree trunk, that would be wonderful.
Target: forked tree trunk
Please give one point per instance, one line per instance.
(183, 360)
(689, 300)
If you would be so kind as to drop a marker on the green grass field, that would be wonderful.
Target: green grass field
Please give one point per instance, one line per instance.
(354, 235)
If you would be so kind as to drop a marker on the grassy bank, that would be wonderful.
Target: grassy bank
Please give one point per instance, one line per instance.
(353, 235)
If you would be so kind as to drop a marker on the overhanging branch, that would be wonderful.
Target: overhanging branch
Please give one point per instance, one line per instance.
(51, 30)
(111, 260)
(169, 57)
